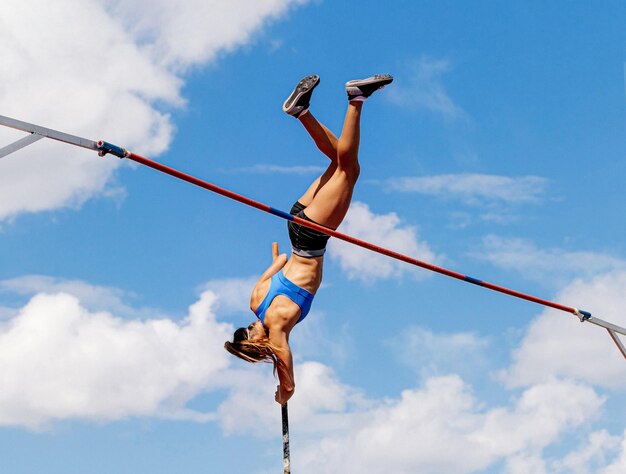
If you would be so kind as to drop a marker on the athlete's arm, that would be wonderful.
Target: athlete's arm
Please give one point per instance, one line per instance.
(287, 386)
(261, 288)
(278, 262)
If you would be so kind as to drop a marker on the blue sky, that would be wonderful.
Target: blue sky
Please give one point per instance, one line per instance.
(498, 152)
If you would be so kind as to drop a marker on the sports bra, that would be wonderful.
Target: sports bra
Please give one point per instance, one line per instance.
(279, 285)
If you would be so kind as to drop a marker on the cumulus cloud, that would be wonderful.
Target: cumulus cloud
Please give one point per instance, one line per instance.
(548, 266)
(417, 432)
(240, 412)
(59, 360)
(423, 89)
(234, 293)
(108, 67)
(92, 297)
(324, 337)
(430, 353)
(63, 356)
(590, 456)
(557, 344)
(323, 399)
(474, 189)
(618, 466)
(322, 402)
(381, 229)
(183, 35)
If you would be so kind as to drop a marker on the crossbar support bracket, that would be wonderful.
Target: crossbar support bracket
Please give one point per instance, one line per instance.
(617, 342)
(19, 144)
(48, 133)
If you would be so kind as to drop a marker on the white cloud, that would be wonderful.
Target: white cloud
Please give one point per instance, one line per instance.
(618, 466)
(243, 412)
(92, 297)
(185, 34)
(234, 294)
(424, 90)
(551, 266)
(418, 432)
(320, 403)
(590, 455)
(474, 189)
(557, 344)
(323, 337)
(432, 353)
(62, 356)
(525, 463)
(321, 397)
(58, 361)
(339, 430)
(381, 229)
(101, 67)
(540, 414)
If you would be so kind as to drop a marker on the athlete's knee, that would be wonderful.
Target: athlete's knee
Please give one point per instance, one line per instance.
(351, 171)
(356, 171)
(330, 170)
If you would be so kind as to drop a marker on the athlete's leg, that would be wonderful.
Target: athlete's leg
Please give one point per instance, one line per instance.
(331, 195)
(307, 198)
(328, 199)
(325, 140)
(297, 105)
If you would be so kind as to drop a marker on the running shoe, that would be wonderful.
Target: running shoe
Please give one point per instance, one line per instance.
(298, 101)
(366, 87)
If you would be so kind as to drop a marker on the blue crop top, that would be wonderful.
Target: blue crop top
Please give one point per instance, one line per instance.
(281, 286)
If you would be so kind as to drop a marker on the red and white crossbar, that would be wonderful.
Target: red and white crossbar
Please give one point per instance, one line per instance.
(103, 148)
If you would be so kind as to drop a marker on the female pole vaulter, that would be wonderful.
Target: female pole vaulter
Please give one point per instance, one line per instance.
(283, 295)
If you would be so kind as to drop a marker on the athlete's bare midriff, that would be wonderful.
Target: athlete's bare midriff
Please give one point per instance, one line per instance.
(305, 272)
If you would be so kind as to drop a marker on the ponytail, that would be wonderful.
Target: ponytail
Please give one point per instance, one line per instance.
(261, 350)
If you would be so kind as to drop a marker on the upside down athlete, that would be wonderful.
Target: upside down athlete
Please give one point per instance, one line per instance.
(283, 295)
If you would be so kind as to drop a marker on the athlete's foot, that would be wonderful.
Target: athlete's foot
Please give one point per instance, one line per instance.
(361, 89)
(298, 102)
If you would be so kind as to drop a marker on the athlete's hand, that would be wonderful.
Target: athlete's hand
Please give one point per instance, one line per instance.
(282, 395)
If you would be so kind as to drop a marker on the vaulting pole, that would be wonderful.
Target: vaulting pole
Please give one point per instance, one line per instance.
(286, 460)
(105, 148)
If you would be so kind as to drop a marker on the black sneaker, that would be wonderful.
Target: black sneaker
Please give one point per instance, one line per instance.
(299, 99)
(366, 87)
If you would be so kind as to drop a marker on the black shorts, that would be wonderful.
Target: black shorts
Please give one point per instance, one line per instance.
(305, 242)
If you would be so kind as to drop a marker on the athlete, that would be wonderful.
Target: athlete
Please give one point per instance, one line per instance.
(283, 295)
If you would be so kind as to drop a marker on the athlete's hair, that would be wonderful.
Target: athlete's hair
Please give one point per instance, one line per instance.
(260, 350)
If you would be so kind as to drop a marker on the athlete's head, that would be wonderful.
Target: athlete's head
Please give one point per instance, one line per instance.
(252, 345)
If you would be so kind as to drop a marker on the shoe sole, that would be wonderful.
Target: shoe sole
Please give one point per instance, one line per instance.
(304, 86)
(353, 86)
